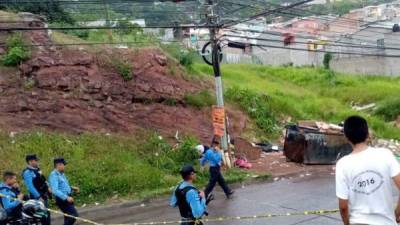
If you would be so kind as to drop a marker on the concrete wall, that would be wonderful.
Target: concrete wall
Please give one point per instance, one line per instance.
(368, 65)
(275, 53)
(359, 65)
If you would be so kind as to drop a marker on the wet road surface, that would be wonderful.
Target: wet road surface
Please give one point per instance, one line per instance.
(284, 196)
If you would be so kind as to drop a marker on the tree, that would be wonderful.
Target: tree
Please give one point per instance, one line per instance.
(52, 10)
(126, 27)
(327, 60)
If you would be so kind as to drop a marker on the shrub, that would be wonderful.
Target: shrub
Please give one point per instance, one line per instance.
(159, 154)
(123, 68)
(170, 102)
(186, 58)
(200, 100)
(15, 56)
(389, 109)
(15, 40)
(104, 166)
(327, 60)
(256, 105)
(16, 51)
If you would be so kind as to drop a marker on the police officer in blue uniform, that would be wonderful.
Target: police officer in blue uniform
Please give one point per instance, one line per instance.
(62, 191)
(10, 188)
(214, 157)
(191, 202)
(36, 183)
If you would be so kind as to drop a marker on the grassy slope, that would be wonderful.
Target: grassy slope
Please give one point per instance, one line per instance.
(105, 165)
(312, 93)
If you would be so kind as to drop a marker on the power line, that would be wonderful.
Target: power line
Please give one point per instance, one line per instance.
(302, 10)
(322, 51)
(299, 42)
(93, 43)
(325, 19)
(266, 12)
(96, 28)
(343, 26)
(92, 2)
(305, 37)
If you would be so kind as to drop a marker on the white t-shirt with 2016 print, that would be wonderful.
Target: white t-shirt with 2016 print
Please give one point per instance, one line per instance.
(365, 180)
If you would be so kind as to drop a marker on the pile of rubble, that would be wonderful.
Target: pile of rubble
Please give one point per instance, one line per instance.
(393, 145)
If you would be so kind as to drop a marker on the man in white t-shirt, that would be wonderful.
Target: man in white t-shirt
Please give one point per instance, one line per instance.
(366, 180)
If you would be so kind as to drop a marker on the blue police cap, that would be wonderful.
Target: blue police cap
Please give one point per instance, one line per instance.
(60, 160)
(31, 157)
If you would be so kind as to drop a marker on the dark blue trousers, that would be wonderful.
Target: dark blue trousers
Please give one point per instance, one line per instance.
(69, 209)
(216, 177)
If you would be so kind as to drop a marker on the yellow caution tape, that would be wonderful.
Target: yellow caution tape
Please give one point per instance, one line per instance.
(55, 211)
(217, 219)
(254, 217)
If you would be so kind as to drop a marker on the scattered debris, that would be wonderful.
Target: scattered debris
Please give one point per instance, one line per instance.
(243, 163)
(320, 126)
(268, 147)
(12, 134)
(392, 145)
(364, 107)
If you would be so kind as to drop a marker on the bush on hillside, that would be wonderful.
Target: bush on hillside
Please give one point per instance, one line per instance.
(256, 105)
(17, 51)
(200, 100)
(389, 109)
(125, 27)
(124, 69)
(15, 56)
(186, 58)
(327, 60)
(53, 11)
(103, 166)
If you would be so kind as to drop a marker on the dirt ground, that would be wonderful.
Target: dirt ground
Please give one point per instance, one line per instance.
(276, 164)
(78, 90)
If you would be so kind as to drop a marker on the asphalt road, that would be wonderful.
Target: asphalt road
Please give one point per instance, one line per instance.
(289, 195)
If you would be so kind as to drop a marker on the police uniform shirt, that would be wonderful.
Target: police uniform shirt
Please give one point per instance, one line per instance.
(213, 157)
(8, 204)
(197, 205)
(59, 185)
(29, 175)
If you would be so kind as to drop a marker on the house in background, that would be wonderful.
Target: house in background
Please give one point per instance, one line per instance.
(380, 39)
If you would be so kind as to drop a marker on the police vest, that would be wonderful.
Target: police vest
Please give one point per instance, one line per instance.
(39, 182)
(14, 191)
(184, 207)
(3, 212)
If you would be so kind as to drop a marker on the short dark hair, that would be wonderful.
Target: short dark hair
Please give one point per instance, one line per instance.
(215, 141)
(187, 171)
(356, 129)
(8, 174)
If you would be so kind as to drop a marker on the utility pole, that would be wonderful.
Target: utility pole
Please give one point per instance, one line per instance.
(108, 24)
(213, 21)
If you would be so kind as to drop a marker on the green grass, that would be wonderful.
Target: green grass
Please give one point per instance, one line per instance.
(312, 93)
(16, 52)
(389, 109)
(132, 167)
(124, 68)
(200, 100)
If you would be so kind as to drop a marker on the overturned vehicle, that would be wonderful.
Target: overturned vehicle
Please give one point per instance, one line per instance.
(316, 143)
